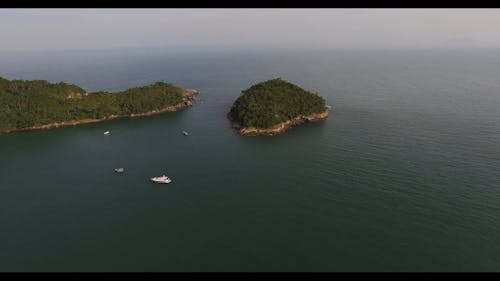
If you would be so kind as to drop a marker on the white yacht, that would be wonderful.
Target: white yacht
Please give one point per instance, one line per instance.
(162, 179)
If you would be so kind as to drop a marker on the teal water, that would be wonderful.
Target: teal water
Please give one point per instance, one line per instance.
(403, 176)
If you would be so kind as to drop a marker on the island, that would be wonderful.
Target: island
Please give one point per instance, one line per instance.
(39, 104)
(272, 107)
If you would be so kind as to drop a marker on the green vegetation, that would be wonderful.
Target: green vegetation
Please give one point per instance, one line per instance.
(25, 104)
(272, 102)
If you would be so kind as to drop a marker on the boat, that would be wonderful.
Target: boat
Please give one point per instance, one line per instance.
(185, 133)
(162, 179)
(328, 106)
(107, 133)
(119, 170)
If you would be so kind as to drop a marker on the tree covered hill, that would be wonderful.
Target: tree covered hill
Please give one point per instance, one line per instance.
(25, 104)
(272, 102)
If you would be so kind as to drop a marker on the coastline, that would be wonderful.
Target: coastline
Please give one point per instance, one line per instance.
(187, 101)
(278, 128)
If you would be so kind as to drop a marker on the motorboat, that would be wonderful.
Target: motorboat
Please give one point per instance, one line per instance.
(185, 133)
(328, 106)
(162, 179)
(119, 170)
(107, 133)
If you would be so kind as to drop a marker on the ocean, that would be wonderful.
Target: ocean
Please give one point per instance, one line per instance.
(404, 175)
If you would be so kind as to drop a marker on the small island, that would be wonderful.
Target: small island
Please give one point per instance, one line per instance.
(38, 104)
(272, 107)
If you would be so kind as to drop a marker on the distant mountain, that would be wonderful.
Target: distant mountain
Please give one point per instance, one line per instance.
(463, 41)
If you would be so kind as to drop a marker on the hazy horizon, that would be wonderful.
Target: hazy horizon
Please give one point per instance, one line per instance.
(89, 29)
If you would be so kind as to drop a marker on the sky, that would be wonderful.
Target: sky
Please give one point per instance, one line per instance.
(68, 29)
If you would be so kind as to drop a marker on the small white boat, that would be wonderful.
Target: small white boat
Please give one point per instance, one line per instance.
(107, 133)
(162, 179)
(119, 170)
(328, 106)
(185, 133)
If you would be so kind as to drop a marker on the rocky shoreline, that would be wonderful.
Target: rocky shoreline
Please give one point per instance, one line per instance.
(187, 101)
(281, 127)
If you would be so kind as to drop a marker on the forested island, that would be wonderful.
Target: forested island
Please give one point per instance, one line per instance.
(271, 107)
(39, 104)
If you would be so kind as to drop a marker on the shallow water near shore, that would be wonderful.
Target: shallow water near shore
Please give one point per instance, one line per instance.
(403, 175)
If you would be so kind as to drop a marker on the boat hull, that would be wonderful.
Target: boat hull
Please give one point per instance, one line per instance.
(161, 181)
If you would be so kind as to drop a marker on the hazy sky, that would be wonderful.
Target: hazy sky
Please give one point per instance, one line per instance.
(109, 28)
